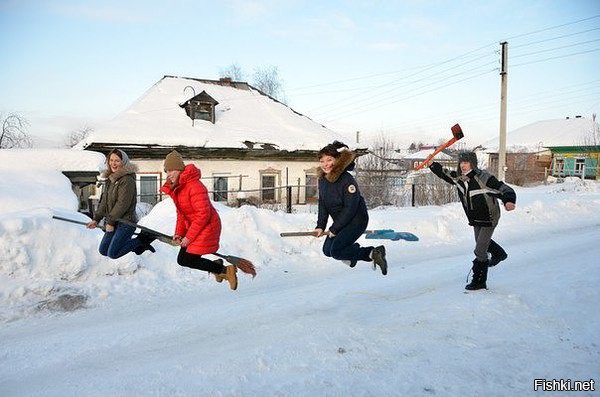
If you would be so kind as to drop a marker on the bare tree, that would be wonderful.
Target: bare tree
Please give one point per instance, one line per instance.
(14, 132)
(233, 71)
(78, 135)
(268, 81)
(378, 173)
(592, 137)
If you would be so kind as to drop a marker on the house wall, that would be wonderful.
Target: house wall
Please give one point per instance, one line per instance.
(522, 168)
(248, 186)
(567, 162)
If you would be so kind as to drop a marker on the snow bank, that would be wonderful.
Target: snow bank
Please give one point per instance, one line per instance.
(42, 260)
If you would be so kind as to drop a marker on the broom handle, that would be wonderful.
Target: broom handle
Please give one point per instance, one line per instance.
(298, 234)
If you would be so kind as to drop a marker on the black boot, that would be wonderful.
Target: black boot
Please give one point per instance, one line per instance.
(498, 254)
(145, 239)
(378, 257)
(480, 270)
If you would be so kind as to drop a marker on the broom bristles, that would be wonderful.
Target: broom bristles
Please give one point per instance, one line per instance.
(247, 267)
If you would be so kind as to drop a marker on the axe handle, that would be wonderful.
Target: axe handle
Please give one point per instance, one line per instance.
(432, 155)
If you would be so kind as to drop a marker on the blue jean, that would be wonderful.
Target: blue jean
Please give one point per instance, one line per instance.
(344, 246)
(118, 243)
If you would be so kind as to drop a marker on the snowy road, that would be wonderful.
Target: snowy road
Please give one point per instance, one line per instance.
(335, 332)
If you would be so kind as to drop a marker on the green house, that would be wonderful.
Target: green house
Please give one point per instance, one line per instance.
(579, 161)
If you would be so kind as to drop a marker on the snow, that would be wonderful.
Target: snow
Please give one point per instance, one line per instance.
(242, 115)
(75, 323)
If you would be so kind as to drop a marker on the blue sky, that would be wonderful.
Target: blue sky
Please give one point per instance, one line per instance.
(407, 69)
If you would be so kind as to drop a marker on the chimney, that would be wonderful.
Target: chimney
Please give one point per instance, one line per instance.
(225, 81)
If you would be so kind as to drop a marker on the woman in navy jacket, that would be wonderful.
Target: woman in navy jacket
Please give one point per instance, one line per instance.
(340, 199)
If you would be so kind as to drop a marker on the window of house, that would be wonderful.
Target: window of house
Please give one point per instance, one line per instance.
(149, 189)
(203, 111)
(312, 193)
(201, 107)
(220, 188)
(579, 166)
(559, 166)
(267, 187)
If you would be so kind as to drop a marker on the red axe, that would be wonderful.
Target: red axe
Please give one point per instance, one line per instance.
(456, 135)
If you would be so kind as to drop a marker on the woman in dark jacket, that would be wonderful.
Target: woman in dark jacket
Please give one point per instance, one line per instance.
(340, 199)
(118, 201)
(479, 192)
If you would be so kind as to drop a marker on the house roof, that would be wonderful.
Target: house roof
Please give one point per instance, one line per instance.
(243, 114)
(538, 136)
(65, 160)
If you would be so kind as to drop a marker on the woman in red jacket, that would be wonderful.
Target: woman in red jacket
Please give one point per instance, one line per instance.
(198, 225)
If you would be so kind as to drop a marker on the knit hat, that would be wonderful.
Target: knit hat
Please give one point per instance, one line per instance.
(174, 162)
(469, 157)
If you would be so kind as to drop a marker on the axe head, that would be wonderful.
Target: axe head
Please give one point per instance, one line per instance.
(457, 132)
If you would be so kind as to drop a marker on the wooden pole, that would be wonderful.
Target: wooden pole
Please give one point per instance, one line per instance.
(503, 89)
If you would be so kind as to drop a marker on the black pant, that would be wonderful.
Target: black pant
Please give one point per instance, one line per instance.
(198, 262)
(344, 246)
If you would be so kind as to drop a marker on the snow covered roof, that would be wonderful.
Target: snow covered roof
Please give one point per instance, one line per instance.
(243, 114)
(538, 136)
(53, 159)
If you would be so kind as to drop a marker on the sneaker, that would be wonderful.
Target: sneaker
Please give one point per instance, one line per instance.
(378, 256)
(497, 259)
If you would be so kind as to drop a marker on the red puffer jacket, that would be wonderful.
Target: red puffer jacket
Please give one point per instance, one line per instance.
(197, 219)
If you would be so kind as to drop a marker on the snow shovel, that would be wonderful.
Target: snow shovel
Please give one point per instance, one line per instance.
(243, 264)
(457, 134)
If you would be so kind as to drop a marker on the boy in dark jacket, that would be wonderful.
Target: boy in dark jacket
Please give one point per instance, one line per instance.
(478, 192)
(340, 198)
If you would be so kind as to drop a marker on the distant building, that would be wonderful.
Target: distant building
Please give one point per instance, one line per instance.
(564, 147)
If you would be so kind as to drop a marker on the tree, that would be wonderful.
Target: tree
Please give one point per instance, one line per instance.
(378, 173)
(592, 137)
(268, 81)
(233, 71)
(14, 132)
(78, 135)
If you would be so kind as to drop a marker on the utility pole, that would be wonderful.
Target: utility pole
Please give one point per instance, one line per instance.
(503, 87)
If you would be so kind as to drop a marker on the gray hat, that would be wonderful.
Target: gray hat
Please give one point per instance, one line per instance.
(470, 157)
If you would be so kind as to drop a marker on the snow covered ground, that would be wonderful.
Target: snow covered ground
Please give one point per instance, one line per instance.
(75, 323)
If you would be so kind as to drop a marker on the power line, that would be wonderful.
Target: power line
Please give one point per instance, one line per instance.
(553, 27)
(553, 38)
(554, 48)
(556, 57)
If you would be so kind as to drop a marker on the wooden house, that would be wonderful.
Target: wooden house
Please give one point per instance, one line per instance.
(248, 145)
(548, 148)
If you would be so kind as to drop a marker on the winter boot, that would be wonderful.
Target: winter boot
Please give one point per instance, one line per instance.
(480, 270)
(497, 259)
(229, 275)
(497, 252)
(145, 239)
(349, 263)
(378, 257)
(220, 276)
